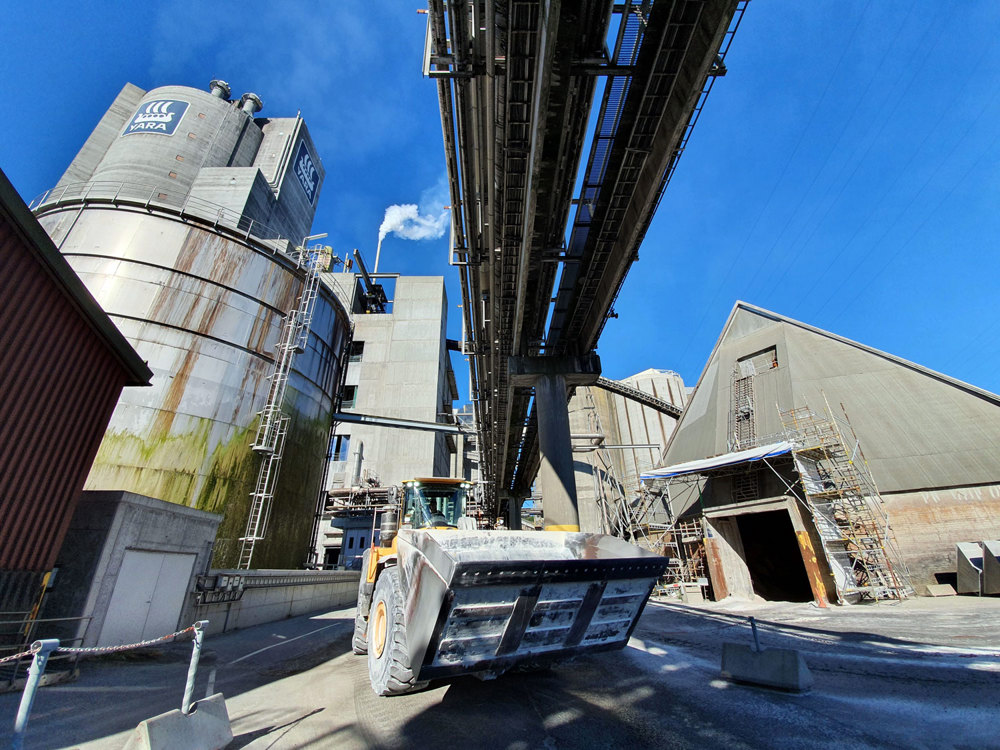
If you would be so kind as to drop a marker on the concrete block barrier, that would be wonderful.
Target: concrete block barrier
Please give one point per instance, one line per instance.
(780, 668)
(205, 728)
(969, 569)
(991, 567)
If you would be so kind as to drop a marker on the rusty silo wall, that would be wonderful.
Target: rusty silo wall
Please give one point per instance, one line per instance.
(205, 308)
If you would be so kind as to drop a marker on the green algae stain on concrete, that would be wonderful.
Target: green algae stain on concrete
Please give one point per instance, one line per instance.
(231, 476)
(289, 531)
(217, 473)
(166, 467)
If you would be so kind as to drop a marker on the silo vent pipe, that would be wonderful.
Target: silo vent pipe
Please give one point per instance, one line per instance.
(251, 103)
(219, 88)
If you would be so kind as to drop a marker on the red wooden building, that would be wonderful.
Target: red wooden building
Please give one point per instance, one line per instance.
(63, 365)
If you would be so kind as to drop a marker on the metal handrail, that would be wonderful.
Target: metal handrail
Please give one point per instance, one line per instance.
(157, 197)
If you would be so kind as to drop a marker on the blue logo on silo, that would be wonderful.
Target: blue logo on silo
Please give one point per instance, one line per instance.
(306, 172)
(161, 117)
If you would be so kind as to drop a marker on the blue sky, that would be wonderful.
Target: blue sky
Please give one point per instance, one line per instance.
(843, 173)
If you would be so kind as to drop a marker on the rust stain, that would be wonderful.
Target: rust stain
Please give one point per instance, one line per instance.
(174, 393)
(259, 331)
(812, 568)
(719, 586)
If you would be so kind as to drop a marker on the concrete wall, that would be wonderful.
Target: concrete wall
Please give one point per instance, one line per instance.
(105, 526)
(312, 590)
(206, 311)
(929, 523)
(403, 372)
(212, 135)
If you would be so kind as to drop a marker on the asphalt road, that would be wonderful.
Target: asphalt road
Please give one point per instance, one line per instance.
(924, 674)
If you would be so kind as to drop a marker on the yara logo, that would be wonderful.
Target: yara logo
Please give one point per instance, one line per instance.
(161, 117)
(306, 171)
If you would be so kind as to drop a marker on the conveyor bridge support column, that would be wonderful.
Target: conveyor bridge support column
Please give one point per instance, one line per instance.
(550, 377)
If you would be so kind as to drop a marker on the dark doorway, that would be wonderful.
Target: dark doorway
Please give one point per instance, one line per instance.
(773, 557)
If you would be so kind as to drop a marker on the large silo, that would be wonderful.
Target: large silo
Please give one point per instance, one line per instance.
(181, 214)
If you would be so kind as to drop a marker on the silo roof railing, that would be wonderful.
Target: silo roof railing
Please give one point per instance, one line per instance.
(163, 199)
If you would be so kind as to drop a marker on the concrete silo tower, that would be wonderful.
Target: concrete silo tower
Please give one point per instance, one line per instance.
(182, 214)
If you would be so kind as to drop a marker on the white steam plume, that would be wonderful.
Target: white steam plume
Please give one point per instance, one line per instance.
(409, 221)
(406, 222)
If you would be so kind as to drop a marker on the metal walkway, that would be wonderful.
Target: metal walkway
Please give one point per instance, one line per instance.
(516, 81)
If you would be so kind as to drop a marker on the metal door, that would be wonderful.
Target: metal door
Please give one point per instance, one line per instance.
(148, 597)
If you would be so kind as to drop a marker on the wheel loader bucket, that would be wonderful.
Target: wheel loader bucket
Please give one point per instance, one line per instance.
(486, 601)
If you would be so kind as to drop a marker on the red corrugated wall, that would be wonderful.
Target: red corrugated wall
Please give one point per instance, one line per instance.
(59, 384)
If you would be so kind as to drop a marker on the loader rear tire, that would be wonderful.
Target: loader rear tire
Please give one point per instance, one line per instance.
(388, 659)
(359, 644)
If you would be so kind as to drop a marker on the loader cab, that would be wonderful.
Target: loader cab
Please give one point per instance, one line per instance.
(434, 503)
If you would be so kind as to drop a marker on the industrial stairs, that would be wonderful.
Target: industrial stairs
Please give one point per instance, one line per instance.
(273, 425)
(846, 508)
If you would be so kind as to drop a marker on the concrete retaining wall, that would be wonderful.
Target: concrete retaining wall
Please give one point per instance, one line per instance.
(270, 595)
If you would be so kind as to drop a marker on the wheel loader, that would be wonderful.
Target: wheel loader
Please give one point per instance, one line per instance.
(439, 598)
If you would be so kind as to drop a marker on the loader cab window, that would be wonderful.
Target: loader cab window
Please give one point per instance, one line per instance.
(434, 505)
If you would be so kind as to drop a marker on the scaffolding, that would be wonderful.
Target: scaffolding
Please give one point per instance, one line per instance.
(742, 408)
(846, 507)
(273, 425)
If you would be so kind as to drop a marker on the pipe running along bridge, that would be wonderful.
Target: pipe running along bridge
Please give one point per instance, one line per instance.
(541, 261)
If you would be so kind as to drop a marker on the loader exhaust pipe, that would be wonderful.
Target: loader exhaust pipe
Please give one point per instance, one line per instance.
(388, 527)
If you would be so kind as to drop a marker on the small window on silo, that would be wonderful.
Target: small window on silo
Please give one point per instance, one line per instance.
(172, 175)
(179, 157)
(192, 136)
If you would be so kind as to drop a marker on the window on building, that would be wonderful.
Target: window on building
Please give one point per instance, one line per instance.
(759, 362)
(350, 543)
(357, 349)
(348, 397)
(341, 447)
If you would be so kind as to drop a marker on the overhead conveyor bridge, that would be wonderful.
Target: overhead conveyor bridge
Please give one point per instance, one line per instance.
(516, 83)
(640, 397)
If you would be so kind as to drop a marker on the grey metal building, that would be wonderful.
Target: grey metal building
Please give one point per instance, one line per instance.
(930, 443)
(615, 439)
(182, 214)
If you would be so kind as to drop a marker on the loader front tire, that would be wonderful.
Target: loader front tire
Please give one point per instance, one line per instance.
(388, 660)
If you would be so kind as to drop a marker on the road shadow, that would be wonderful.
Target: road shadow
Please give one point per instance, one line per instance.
(242, 740)
(112, 696)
